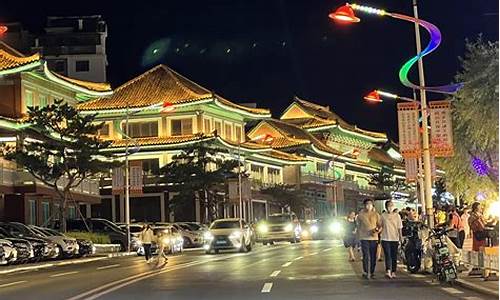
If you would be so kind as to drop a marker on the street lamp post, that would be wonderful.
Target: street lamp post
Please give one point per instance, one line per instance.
(354, 152)
(345, 14)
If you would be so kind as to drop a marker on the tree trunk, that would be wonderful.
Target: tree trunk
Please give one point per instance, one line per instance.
(63, 209)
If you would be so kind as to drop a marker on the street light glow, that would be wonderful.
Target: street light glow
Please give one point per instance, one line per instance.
(373, 96)
(344, 14)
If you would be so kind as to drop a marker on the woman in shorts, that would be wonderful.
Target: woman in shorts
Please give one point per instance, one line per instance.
(350, 235)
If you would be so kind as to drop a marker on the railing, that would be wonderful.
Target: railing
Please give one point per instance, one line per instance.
(10, 176)
(324, 178)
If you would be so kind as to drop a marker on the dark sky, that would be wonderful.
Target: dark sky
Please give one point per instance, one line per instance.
(267, 51)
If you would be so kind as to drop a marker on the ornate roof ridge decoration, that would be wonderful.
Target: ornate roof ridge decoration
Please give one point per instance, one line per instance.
(91, 85)
(161, 84)
(10, 63)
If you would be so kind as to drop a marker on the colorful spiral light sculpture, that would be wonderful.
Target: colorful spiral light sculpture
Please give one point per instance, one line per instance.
(435, 40)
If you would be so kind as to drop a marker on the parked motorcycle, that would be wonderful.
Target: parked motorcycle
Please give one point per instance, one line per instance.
(411, 247)
(442, 262)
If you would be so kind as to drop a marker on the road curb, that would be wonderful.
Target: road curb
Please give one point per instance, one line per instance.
(476, 288)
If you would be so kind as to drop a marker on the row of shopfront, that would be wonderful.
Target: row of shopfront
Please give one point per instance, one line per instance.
(308, 146)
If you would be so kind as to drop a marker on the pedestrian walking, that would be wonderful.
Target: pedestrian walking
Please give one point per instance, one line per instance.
(465, 221)
(391, 235)
(457, 233)
(477, 225)
(368, 226)
(163, 242)
(350, 241)
(147, 236)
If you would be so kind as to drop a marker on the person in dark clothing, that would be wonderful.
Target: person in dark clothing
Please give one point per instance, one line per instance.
(350, 235)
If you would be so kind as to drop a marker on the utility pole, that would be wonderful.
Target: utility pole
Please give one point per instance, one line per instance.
(425, 137)
(127, 187)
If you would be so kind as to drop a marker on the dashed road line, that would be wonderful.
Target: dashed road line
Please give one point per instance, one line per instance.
(275, 273)
(327, 249)
(472, 298)
(108, 267)
(299, 258)
(417, 275)
(63, 274)
(314, 253)
(453, 291)
(431, 282)
(267, 287)
(12, 283)
(286, 264)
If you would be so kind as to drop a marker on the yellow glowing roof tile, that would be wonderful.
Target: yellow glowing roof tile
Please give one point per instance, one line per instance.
(94, 86)
(9, 61)
(149, 141)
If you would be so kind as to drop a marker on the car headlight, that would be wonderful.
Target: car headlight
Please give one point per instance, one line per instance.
(289, 227)
(314, 228)
(305, 233)
(235, 235)
(335, 227)
(165, 241)
(262, 228)
(208, 236)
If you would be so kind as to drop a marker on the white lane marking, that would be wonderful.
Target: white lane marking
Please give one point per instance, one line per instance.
(275, 273)
(267, 287)
(108, 267)
(12, 283)
(327, 249)
(314, 253)
(431, 282)
(299, 258)
(417, 275)
(63, 274)
(452, 290)
(286, 264)
(472, 298)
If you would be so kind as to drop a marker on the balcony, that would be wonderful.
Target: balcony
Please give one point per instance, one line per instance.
(323, 178)
(12, 177)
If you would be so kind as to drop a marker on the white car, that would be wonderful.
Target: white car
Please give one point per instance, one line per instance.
(192, 238)
(68, 246)
(227, 234)
(9, 254)
(169, 236)
(135, 231)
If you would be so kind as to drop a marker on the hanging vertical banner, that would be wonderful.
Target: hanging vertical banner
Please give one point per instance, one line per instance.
(408, 128)
(441, 129)
(117, 180)
(411, 168)
(136, 177)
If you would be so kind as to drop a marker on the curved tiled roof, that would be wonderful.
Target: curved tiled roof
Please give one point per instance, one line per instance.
(150, 141)
(93, 86)
(158, 85)
(10, 61)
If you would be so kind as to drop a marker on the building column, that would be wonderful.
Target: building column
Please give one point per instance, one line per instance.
(162, 207)
(88, 210)
(113, 208)
(122, 208)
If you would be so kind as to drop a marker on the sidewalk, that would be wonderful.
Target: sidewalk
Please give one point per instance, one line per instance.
(478, 284)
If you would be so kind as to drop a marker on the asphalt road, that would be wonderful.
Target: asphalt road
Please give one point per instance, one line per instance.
(309, 270)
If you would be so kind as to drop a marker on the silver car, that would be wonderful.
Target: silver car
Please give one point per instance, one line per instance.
(9, 252)
(68, 246)
(227, 234)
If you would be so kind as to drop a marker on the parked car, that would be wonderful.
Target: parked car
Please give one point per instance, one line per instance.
(326, 229)
(103, 226)
(226, 234)
(68, 247)
(8, 253)
(24, 249)
(85, 247)
(279, 227)
(191, 238)
(43, 247)
(135, 230)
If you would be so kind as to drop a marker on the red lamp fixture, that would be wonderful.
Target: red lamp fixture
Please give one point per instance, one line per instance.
(373, 96)
(344, 14)
(3, 29)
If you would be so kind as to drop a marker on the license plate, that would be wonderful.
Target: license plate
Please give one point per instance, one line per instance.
(220, 242)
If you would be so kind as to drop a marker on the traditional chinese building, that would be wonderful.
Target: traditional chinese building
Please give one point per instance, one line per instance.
(27, 81)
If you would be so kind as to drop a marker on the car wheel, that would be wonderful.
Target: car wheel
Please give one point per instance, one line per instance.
(207, 251)
(216, 251)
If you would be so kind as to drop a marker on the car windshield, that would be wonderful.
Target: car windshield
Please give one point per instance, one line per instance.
(51, 232)
(110, 224)
(17, 229)
(134, 229)
(225, 224)
(278, 219)
(185, 227)
(194, 226)
(38, 231)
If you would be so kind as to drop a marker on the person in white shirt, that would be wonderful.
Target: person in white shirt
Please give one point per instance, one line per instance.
(391, 235)
(147, 236)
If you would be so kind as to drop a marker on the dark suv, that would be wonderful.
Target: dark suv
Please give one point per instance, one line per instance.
(102, 226)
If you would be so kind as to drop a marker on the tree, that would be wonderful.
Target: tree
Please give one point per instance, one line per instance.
(287, 197)
(63, 149)
(383, 181)
(474, 167)
(199, 172)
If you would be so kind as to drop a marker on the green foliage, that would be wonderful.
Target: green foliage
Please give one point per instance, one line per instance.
(60, 148)
(287, 196)
(96, 238)
(475, 123)
(199, 172)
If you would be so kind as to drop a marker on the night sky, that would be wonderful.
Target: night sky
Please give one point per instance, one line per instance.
(268, 51)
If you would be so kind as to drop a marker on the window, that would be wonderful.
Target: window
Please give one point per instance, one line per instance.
(45, 212)
(42, 101)
(29, 98)
(57, 213)
(206, 126)
(181, 127)
(321, 167)
(71, 212)
(32, 212)
(257, 172)
(273, 175)
(349, 177)
(239, 133)
(218, 127)
(142, 129)
(82, 66)
(151, 166)
(104, 131)
(60, 66)
(228, 131)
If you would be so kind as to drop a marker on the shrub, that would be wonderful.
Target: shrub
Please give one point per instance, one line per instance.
(96, 238)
